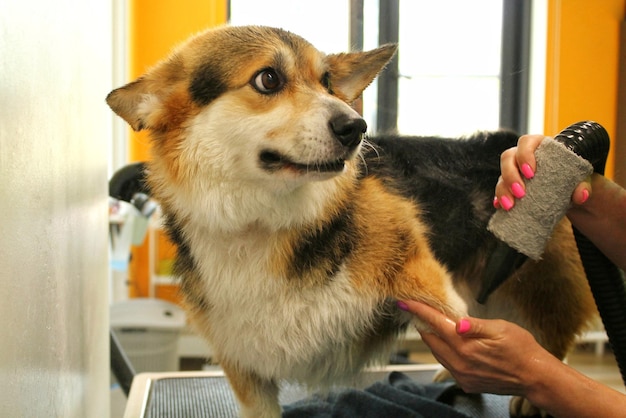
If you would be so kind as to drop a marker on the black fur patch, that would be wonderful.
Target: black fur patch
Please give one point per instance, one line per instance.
(452, 181)
(185, 266)
(207, 84)
(324, 250)
(184, 263)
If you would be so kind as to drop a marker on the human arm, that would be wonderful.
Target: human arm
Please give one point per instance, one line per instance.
(496, 356)
(598, 208)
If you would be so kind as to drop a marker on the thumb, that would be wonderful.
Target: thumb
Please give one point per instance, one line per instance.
(582, 192)
(477, 328)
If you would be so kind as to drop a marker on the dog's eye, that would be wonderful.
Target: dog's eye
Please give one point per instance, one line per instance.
(326, 82)
(267, 81)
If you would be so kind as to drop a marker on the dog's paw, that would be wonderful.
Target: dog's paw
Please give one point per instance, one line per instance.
(271, 412)
(521, 407)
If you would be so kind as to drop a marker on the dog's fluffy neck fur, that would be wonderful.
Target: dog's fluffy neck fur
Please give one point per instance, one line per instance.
(226, 208)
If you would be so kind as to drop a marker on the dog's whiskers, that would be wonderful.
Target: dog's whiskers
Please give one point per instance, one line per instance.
(365, 146)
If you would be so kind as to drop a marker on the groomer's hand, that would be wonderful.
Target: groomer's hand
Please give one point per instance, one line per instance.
(484, 356)
(599, 217)
(518, 164)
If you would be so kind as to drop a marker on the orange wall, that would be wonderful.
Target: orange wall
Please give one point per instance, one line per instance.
(582, 64)
(155, 28)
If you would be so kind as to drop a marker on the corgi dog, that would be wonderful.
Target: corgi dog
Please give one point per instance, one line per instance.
(297, 235)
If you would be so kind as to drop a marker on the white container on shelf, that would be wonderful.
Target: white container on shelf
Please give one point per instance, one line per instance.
(148, 331)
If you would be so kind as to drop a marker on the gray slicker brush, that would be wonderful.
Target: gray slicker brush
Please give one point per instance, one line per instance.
(524, 231)
(527, 227)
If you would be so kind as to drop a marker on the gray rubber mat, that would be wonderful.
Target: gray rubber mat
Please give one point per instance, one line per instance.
(207, 397)
(191, 398)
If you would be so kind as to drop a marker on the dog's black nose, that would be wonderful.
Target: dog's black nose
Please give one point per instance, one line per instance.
(348, 129)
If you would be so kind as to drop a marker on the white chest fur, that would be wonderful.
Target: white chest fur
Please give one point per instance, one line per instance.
(276, 326)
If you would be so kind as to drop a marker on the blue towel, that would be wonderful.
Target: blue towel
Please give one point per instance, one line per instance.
(397, 396)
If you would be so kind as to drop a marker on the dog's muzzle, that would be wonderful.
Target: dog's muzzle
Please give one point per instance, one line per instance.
(348, 130)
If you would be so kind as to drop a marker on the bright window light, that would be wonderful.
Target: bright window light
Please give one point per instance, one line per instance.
(449, 63)
(449, 57)
(324, 23)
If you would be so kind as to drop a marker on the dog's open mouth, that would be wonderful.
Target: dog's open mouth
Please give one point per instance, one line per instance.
(273, 161)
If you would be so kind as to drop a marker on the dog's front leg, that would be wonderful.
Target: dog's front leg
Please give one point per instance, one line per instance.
(258, 397)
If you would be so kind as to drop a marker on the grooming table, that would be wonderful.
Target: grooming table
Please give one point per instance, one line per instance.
(208, 394)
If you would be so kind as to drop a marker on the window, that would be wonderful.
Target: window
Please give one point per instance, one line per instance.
(324, 23)
(449, 62)
(449, 66)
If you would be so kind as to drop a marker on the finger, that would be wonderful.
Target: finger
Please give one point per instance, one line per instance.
(510, 184)
(582, 192)
(504, 198)
(431, 340)
(439, 323)
(469, 327)
(441, 350)
(509, 167)
(525, 155)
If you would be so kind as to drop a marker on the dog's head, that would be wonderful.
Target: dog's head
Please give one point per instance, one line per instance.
(252, 104)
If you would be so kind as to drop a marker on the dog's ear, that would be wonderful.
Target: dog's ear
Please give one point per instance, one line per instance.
(143, 102)
(351, 73)
(132, 103)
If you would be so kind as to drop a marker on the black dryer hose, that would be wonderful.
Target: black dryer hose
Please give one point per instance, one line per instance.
(590, 141)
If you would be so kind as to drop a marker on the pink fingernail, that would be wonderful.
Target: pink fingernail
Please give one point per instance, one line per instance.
(585, 195)
(518, 190)
(527, 171)
(402, 305)
(496, 203)
(464, 326)
(506, 203)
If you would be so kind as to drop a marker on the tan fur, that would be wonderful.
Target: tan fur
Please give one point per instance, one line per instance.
(392, 233)
(273, 304)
